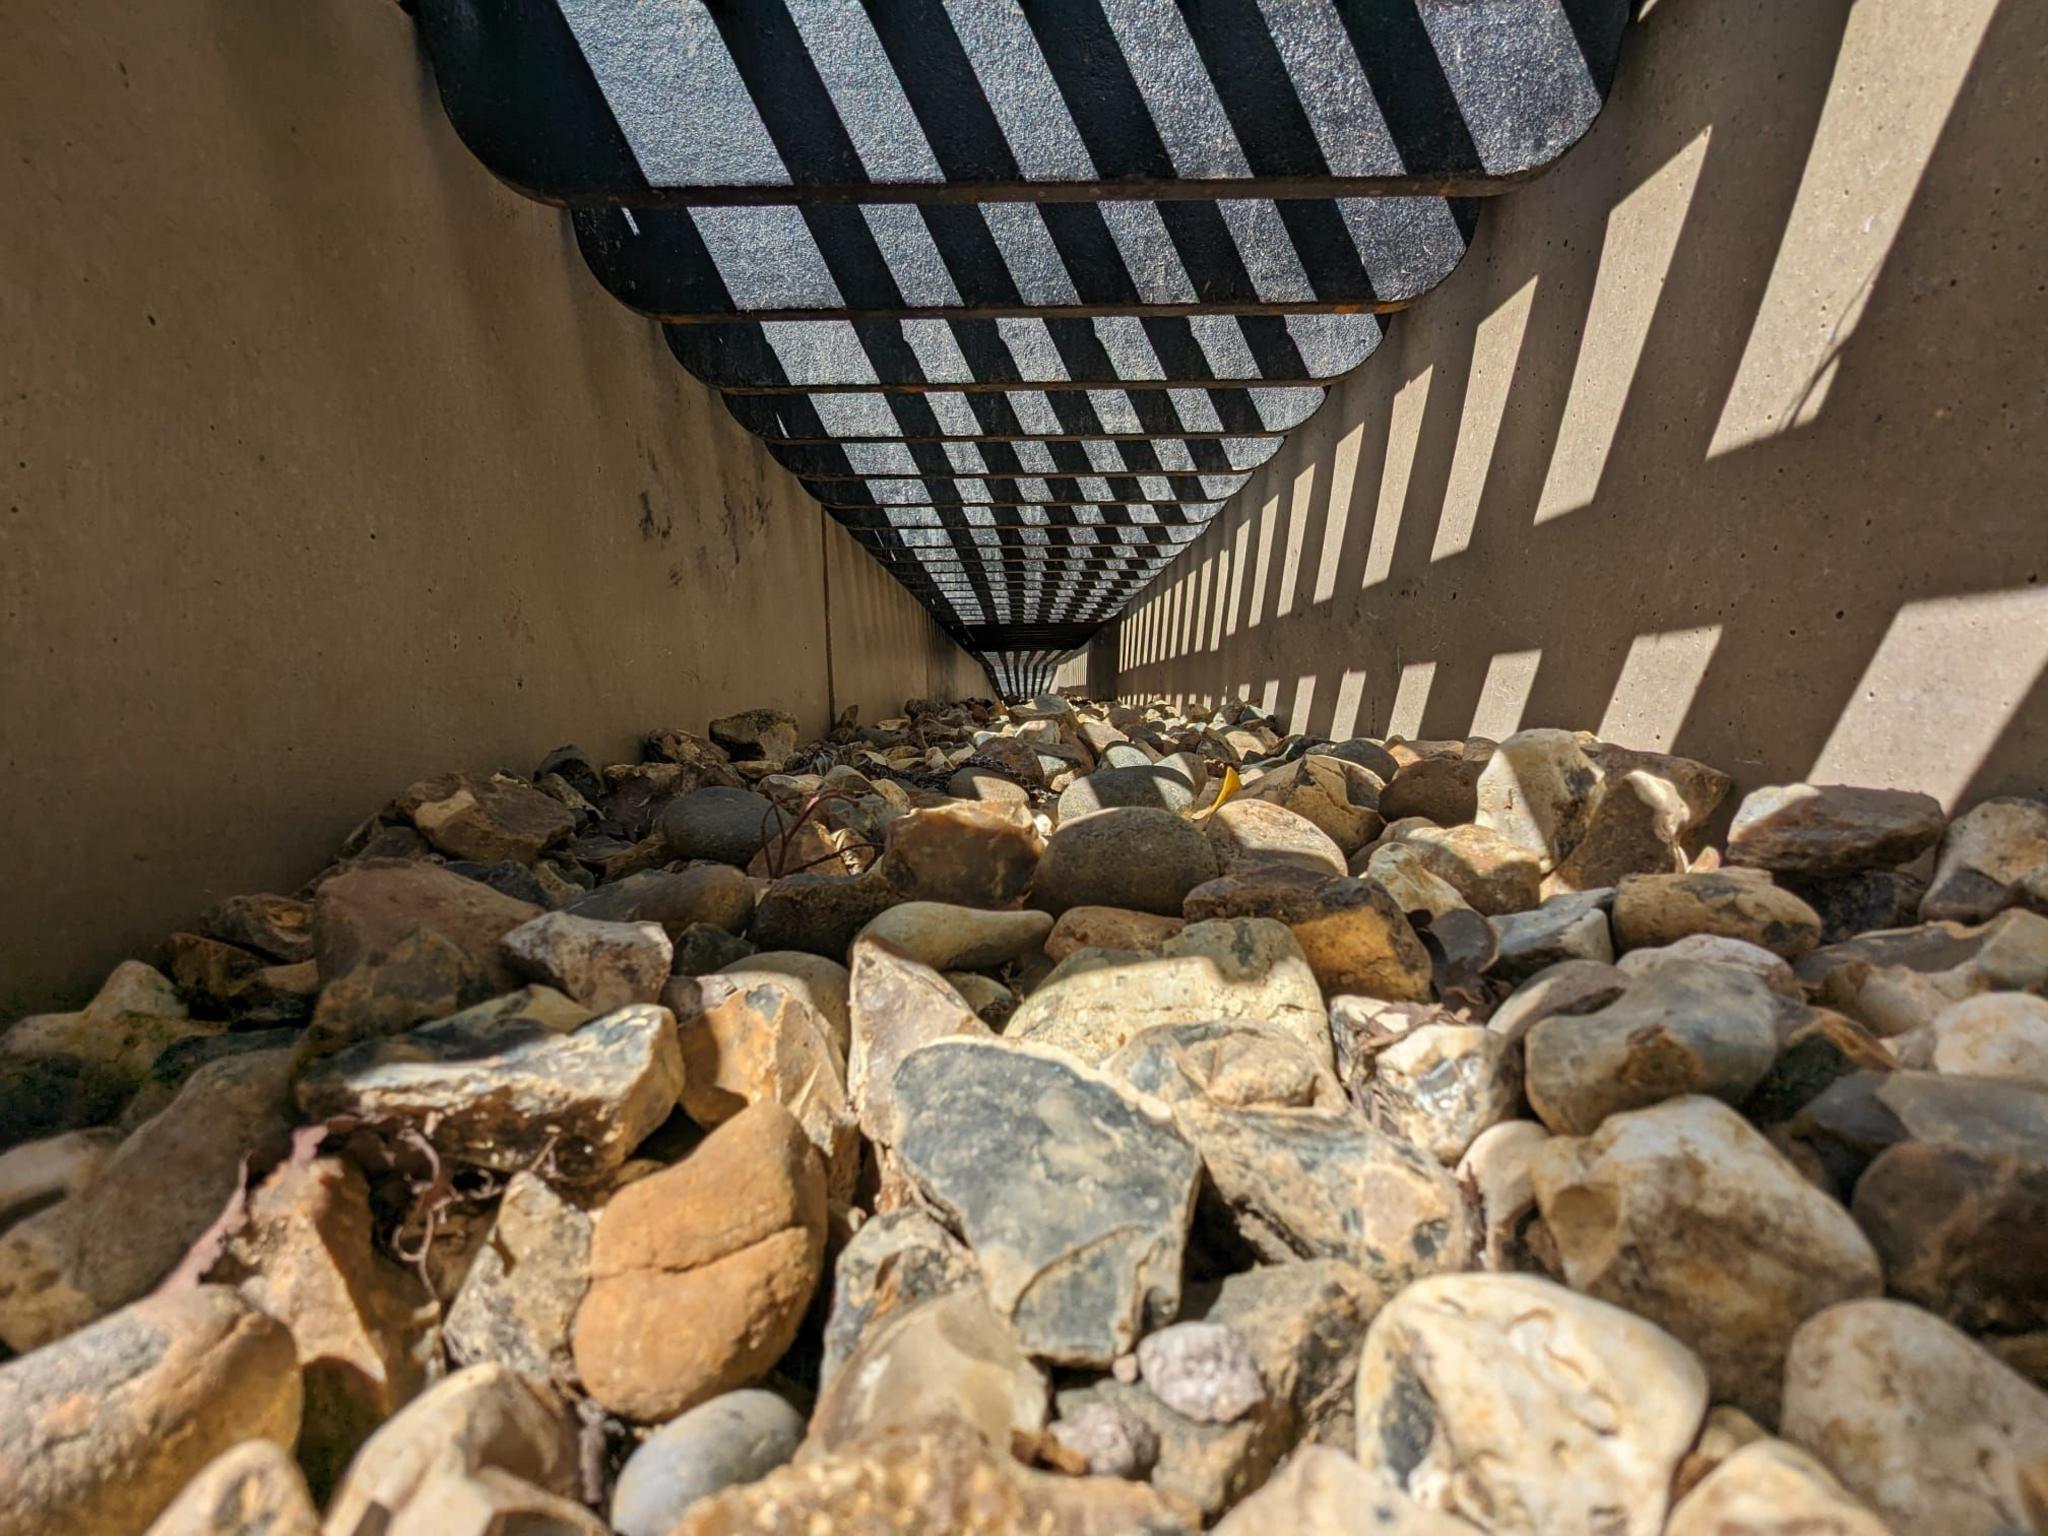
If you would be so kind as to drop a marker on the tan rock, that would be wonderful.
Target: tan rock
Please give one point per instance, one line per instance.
(1716, 949)
(1661, 909)
(1441, 1085)
(1414, 887)
(1352, 933)
(1107, 928)
(1496, 1175)
(1238, 1065)
(1686, 1216)
(1526, 1407)
(37, 1174)
(1926, 1427)
(1727, 1430)
(1819, 830)
(486, 817)
(519, 1297)
(601, 965)
(1992, 857)
(820, 982)
(898, 1004)
(256, 1489)
(491, 1502)
(1246, 833)
(1340, 797)
(1242, 968)
(487, 1416)
(1998, 1034)
(1636, 826)
(1538, 791)
(894, 1259)
(732, 1238)
(1139, 858)
(969, 853)
(1323, 1492)
(100, 1431)
(1444, 790)
(950, 938)
(1771, 1488)
(357, 1320)
(1493, 874)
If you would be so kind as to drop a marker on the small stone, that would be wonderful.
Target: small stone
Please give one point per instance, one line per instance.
(950, 1349)
(1538, 791)
(940, 1476)
(820, 913)
(1495, 1171)
(1480, 1394)
(105, 1427)
(992, 1002)
(1637, 823)
(716, 894)
(1073, 1196)
(1108, 928)
(1247, 834)
(739, 1437)
(722, 824)
(818, 981)
(1094, 1001)
(1297, 1184)
(1108, 1440)
(1340, 797)
(507, 1083)
(1661, 909)
(489, 1502)
(968, 854)
(1409, 881)
(895, 1258)
(1236, 1065)
(520, 1295)
(1572, 926)
(1825, 1047)
(38, 1174)
(757, 735)
(256, 1489)
(1770, 1488)
(1320, 1491)
(1684, 1028)
(987, 786)
(486, 817)
(703, 949)
(1352, 933)
(280, 927)
(897, 1004)
(1928, 1428)
(120, 1234)
(306, 1258)
(601, 965)
(1133, 857)
(954, 938)
(486, 1416)
(1570, 987)
(1493, 874)
(1992, 857)
(732, 1239)
(1857, 903)
(1999, 1034)
(1444, 790)
(1822, 830)
(1716, 949)
(1154, 784)
(1686, 1216)
(1202, 1371)
(1441, 1085)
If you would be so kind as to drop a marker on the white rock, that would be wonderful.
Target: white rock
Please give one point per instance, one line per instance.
(1769, 1488)
(1998, 1034)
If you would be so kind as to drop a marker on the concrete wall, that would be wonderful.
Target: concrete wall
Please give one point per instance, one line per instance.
(326, 465)
(1726, 438)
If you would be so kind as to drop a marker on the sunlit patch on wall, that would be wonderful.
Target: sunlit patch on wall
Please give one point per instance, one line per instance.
(1505, 693)
(1658, 682)
(1269, 699)
(1948, 676)
(1635, 259)
(1404, 430)
(1411, 698)
(1269, 514)
(1496, 347)
(1297, 535)
(1344, 717)
(1304, 701)
(1337, 516)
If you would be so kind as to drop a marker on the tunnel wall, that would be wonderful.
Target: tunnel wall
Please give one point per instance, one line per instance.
(327, 466)
(1724, 439)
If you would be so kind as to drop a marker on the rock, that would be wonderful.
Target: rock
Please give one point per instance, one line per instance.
(1441, 1085)
(1525, 1407)
(895, 1258)
(1444, 790)
(703, 949)
(69, 1071)
(1998, 1034)
(1860, 1115)
(38, 1174)
(278, 927)
(1239, 1065)
(1132, 857)
(1247, 834)
(820, 914)
(733, 1239)
(897, 1005)
(519, 1298)
(716, 894)
(1493, 875)
(1636, 826)
(256, 1489)
(1010, 756)
(1154, 784)
(1073, 1195)
(1495, 1174)
(1323, 1492)
(1686, 1216)
(1107, 928)
(1661, 909)
(1684, 1028)
(1822, 830)
(1714, 949)
(1538, 791)
(1409, 881)
(1108, 1440)
(1853, 904)
(1296, 1184)
(305, 1257)
(951, 938)
(719, 823)
(1570, 987)
(1572, 926)
(988, 787)
(576, 769)
(1094, 1001)
(486, 817)
(669, 746)
(1351, 932)
(738, 1438)
(818, 981)
(1992, 857)
(120, 1234)
(484, 1417)
(1961, 1231)
(1814, 1054)
(750, 1038)
(757, 735)
(102, 1429)
(501, 1085)
(1770, 1488)
(950, 1349)
(1917, 1420)
(601, 965)
(1201, 1370)
(488, 1502)
(967, 854)
(941, 1476)
(540, 883)
(1340, 797)
(992, 1002)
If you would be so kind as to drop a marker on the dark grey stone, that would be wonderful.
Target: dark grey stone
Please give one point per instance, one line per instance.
(721, 823)
(735, 1438)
